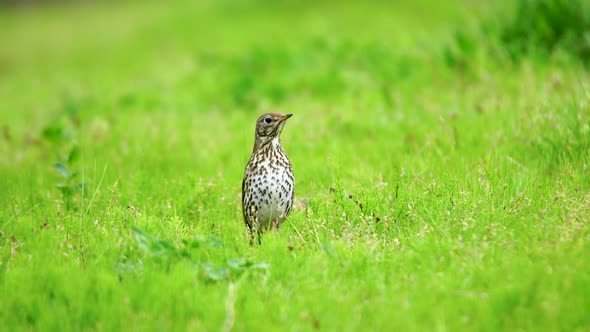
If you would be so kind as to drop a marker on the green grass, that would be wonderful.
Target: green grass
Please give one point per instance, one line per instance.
(441, 197)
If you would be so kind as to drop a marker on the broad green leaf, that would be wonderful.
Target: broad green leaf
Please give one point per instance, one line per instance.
(62, 170)
(74, 154)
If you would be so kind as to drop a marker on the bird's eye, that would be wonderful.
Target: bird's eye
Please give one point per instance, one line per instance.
(268, 120)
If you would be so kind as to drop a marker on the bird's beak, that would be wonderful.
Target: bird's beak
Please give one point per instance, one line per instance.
(286, 116)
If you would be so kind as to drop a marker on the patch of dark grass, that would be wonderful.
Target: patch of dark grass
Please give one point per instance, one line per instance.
(544, 26)
(524, 29)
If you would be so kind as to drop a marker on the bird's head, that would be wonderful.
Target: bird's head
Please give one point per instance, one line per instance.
(269, 126)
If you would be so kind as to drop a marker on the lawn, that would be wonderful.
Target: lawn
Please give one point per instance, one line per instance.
(441, 185)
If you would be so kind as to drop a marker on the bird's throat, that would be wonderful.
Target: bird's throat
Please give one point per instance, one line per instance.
(266, 143)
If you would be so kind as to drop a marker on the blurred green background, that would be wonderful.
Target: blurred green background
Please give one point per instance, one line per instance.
(441, 154)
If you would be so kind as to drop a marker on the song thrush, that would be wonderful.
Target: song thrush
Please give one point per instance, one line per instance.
(268, 186)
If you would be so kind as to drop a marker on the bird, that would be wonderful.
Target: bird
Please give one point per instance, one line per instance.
(268, 186)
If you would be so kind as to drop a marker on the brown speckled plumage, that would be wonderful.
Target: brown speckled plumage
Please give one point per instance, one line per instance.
(268, 186)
